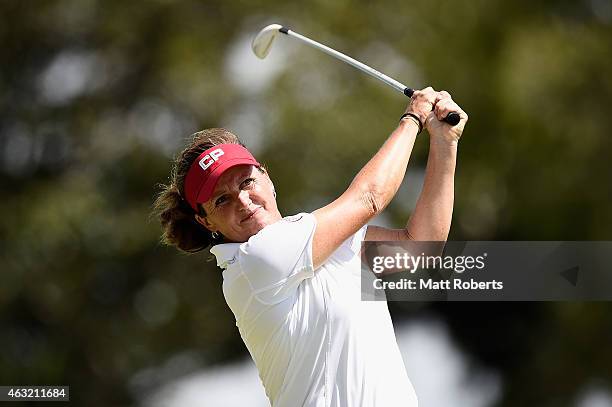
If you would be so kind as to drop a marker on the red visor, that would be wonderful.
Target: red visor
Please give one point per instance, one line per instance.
(204, 173)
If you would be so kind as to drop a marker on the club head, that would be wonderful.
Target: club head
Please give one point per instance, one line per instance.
(263, 40)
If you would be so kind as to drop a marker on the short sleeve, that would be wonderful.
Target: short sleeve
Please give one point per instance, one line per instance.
(355, 240)
(279, 257)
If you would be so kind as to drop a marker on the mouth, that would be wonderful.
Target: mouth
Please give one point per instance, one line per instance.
(250, 215)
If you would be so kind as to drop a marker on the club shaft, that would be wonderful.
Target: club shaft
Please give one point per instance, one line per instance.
(345, 58)
(452, 118)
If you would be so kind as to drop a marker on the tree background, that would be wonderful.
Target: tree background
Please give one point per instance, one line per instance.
(96, 97)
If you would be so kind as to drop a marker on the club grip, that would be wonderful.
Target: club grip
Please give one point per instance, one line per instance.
(452, 118)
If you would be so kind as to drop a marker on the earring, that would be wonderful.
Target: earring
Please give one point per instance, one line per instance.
(216, 235)
(274, 192)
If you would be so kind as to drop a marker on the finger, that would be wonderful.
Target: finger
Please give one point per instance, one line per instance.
(423, 92)
(444, 107)
(448, 106)
(442, 95)
(430, 94)
(454, 109)
(424, 99)
(426, 92)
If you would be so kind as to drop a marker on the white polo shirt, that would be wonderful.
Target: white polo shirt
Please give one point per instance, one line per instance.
(313, 340)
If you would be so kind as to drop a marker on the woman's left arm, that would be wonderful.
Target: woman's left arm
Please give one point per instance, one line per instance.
(432, 215)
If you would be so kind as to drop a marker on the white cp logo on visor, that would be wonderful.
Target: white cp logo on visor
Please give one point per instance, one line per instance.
(210, 158)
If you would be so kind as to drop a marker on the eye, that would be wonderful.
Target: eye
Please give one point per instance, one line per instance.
(248, 182)
(220, 200)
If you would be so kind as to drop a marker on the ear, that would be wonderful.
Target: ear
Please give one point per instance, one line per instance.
(203, 220)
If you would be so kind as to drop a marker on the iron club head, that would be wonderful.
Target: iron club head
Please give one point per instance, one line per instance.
(263, 40)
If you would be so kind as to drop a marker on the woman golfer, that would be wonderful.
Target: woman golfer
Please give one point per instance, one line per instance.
(293, 283)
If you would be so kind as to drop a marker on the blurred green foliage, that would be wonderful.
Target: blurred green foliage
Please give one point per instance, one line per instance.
(97, 96)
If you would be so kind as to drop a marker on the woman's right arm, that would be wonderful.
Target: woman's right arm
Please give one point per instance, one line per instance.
(373, 187)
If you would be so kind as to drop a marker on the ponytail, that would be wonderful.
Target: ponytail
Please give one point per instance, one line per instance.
(177, 218)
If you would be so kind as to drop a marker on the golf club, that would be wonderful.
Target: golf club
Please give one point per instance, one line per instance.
(263, 42)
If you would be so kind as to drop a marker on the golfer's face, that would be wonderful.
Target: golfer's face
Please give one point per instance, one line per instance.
(242, 203)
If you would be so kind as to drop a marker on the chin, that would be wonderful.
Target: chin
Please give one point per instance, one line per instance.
(259, 226)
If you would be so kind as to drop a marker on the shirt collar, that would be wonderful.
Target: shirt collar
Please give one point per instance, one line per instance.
(225, 253)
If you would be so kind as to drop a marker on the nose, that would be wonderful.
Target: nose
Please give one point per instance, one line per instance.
(244, 198)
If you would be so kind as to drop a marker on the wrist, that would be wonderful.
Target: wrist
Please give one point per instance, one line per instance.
(420, 113)
(412, 118)
(443, 143)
